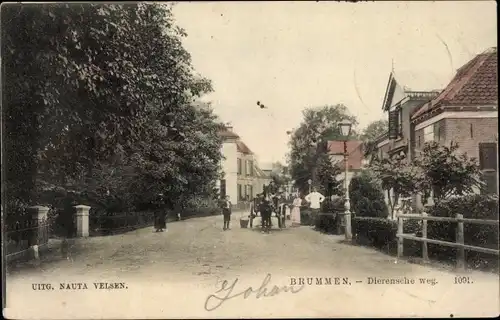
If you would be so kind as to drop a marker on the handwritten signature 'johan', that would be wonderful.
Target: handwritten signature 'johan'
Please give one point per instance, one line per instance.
(225, 293)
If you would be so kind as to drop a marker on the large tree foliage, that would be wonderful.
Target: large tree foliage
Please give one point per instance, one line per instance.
(308, 142)
(279, 175)
(398, 178)
(103, 84)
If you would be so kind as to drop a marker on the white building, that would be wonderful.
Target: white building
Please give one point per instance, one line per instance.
(242, 179)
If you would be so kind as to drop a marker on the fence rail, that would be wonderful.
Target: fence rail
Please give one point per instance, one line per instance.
(459, 242)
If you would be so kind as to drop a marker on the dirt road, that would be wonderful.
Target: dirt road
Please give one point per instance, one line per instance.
(197, 270)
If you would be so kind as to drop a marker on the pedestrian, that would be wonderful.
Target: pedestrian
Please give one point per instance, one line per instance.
(226, 212)
(265, 213)
(282, 213)
(315, 199)
(160, 215)
(297, 203)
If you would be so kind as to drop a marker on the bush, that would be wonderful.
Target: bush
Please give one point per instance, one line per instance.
(380, 232)
(367, 198)
(200, 207)
(473, 207)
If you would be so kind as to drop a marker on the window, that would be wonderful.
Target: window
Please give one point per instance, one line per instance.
(429, 133)
(395, 125)
(239, 166)
(249, 192)
(240, 192)
(249, 167)
(419, 140)
(488, 156)
(400, 121)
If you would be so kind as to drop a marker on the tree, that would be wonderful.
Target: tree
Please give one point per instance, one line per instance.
(398, 178)
(328, 184)
(367, 198)
(370, 134)
(279, 175)
(309, 140)
(108, 84)
(448, 172)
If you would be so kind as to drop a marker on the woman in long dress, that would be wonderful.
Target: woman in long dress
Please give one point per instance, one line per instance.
(297, 202)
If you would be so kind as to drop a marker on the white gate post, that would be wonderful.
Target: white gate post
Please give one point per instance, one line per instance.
(82, 220)
(40, 214)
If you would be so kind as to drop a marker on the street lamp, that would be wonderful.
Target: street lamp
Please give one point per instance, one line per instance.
(345, 130)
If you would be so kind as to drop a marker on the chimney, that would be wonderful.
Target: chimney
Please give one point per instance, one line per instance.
(229, 127)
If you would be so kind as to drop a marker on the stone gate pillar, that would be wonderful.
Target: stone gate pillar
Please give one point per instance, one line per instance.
(82, 220)
(40, 236)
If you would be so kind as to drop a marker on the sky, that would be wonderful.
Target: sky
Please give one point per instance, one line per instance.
(294, 55)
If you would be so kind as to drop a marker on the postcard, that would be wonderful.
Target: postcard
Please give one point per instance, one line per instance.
(302, 159)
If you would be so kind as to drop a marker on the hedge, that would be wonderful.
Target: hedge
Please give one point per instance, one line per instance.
(473, 207)
(328, 223)
(381, 233)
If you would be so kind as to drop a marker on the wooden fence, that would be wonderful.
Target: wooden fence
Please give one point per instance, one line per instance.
(459, 242)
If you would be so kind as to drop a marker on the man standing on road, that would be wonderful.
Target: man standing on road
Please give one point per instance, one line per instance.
(266, 210)
(315, 199)
(226, 212)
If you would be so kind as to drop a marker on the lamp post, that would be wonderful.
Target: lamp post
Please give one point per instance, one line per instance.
(314, 153)
(345, 130)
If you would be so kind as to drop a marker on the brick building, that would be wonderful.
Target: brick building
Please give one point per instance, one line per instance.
(466, 112)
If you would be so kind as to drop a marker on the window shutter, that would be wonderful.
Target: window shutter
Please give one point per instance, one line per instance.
(393, 124)
(487, 156)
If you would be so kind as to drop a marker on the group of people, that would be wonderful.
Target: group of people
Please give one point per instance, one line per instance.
(264, 205)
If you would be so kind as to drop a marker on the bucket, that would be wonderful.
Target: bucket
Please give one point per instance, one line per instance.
(244, 223)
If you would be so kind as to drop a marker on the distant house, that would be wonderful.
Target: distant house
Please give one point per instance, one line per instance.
(262, 179)
(242, 178)
(466, 112)
(355, 159)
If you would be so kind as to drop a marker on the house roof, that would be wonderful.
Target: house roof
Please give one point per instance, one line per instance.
(243, 148)
(475, 84)
(260, 173)
(415, 85)
(354, 151)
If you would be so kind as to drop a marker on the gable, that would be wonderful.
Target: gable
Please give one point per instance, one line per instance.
(394, 94)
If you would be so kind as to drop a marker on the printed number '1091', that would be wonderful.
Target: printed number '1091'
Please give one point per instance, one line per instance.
(462, 280)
